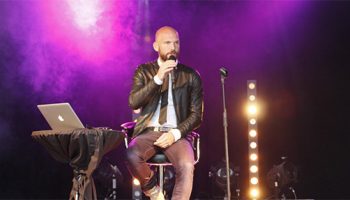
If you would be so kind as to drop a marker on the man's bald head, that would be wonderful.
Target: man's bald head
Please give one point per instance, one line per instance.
(164, 31)
(167, 42)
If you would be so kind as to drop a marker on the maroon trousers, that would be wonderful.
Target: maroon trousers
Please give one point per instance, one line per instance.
(180, 154)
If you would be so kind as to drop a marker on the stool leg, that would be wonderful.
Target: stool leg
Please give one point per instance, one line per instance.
(161, 178)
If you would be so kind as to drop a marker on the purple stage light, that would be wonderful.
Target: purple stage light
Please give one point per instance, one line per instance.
(86, 12)
(95, 31)
(61, 44)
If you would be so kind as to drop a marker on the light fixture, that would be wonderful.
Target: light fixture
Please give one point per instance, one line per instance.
(254, 180)
(253, 157)
(252, 97)
(252, 111)
(251, 85)
(281, 179)
(109, 176)
(136, 190)
(252, 121)
(254, 193)
(136, 181)
(253, 145)
(252, 133)
(218, 175)
(253, 169)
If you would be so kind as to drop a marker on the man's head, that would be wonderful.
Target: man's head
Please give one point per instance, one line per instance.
(167, 42)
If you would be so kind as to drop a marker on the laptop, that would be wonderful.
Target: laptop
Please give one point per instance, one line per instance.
(60, 116)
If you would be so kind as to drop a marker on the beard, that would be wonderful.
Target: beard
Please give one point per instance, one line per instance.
(166, 56)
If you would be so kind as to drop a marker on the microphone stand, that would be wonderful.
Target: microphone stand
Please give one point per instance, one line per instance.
(223, 72)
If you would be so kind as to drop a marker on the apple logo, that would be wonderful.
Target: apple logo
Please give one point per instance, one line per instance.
(60, 118)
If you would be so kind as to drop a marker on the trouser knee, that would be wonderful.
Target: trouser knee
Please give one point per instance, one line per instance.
(185, 169)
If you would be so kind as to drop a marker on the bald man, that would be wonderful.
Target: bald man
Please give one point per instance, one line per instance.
(169, 95)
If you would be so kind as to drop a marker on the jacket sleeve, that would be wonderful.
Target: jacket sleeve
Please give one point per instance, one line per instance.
(195, 117)
(142, 90)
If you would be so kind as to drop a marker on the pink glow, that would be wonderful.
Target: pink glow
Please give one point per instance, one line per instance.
(94, 30)
(86, 13)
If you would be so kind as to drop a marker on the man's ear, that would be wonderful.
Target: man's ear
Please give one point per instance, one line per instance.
(155, 46)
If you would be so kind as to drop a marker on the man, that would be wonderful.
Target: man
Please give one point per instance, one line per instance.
(170, 97)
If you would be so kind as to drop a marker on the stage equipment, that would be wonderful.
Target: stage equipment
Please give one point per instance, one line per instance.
(281, 179)
(136, 190)
(224, 74)
(83, 149)
(168, 182)
(218, 175)
(252, 112)
(109, 175)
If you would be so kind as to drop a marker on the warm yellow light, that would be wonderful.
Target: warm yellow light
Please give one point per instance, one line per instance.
(253, 157)
(254, 180)
(253, 169)
(252, 97)
(137, 111)
(252, 110)
(252, 121)
(251, 86)
(136, 181)
(254, 193)
(253, 145)
(252, 133)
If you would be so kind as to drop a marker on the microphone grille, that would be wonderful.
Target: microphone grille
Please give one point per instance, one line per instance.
(223, 72)
(172, 57)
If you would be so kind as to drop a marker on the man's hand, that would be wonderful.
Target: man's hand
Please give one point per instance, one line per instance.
(165, 140)
(166, 68)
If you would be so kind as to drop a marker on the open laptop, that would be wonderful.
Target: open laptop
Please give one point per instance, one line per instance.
(60, 116)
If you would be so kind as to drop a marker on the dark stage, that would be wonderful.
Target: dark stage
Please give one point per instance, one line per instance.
(85, 53)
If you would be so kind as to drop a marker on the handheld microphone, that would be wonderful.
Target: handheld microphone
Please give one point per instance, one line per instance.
(172, 57)
(223, 72)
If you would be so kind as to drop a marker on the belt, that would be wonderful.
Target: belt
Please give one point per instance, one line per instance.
(160, 129)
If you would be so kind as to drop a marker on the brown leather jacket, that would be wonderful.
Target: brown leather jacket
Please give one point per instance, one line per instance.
(187, 96)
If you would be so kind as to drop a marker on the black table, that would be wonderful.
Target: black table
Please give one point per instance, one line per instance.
(83, 149)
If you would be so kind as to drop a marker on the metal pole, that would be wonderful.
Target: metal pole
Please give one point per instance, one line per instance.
(226, 139)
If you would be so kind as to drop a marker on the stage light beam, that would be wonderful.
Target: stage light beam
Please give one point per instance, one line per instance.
(86, 12)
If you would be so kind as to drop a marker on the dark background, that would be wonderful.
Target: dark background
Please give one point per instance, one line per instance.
(298, 51)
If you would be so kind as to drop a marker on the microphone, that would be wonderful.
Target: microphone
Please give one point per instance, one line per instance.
(223, 72)
(172, 57)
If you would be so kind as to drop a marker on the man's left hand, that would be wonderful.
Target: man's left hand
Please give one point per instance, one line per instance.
(165, 140)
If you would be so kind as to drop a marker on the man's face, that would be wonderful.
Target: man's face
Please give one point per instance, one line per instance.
(167, 43)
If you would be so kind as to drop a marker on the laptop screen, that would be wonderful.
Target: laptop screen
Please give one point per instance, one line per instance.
(60, 116)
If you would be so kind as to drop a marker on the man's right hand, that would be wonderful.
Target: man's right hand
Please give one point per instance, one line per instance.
(165, 69)
(165, 140)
